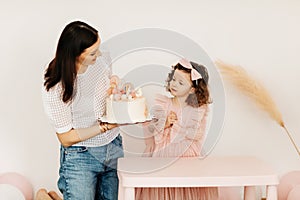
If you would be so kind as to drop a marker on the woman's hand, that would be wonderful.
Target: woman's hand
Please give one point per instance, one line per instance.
(171, 119)
(107, 126)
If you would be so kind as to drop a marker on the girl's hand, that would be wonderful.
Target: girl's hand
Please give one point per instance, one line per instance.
(171, 119)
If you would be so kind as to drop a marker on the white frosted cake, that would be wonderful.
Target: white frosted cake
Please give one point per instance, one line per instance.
(125, 104)
(133, 110)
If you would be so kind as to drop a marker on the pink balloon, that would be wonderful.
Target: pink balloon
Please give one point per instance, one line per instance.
(294, 193)
(287, 182)
(19, 182)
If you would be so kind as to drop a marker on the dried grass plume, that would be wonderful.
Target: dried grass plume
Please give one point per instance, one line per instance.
(254, 90)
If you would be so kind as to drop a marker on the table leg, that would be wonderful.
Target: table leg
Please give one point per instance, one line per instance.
(129, 193)
(121, 192)
(249, 193)
(271, 192)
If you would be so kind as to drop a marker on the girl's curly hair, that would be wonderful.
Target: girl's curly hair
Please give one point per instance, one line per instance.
(201, 95)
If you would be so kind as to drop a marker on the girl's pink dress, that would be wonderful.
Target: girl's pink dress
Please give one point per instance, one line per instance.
(184, 139)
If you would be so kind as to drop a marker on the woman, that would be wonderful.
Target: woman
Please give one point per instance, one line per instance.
(74, 95)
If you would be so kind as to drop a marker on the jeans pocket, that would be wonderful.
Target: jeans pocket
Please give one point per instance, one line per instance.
(74, 152)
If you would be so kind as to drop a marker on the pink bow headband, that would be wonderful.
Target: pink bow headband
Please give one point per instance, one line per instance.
(194, 73)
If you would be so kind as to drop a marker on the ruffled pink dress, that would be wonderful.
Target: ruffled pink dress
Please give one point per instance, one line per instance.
(184, 139)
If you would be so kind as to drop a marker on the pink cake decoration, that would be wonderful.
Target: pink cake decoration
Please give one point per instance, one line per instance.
(120, 90)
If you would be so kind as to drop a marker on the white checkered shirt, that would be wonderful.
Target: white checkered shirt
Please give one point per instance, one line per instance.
(87, 105)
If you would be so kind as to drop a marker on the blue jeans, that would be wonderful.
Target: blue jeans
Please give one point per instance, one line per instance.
(90, 173)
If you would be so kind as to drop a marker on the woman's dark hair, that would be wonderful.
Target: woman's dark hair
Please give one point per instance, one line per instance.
(75, 38)
(201, 95)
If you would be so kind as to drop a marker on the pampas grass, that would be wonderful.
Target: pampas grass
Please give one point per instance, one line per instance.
(255, 91)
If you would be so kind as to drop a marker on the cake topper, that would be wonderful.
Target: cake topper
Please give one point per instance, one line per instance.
(120, 90)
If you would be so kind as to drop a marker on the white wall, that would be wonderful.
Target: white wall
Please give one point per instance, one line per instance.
(262, 36)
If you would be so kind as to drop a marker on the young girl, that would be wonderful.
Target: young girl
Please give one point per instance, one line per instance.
(179, 128)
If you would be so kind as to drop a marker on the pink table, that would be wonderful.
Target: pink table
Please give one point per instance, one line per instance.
(224, 171)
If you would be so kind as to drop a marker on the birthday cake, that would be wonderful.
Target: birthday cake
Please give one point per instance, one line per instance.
(125, 104)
